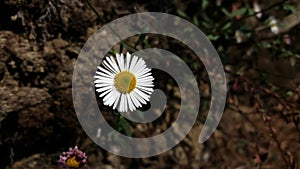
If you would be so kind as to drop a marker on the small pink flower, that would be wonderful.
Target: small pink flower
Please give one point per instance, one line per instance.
(72, 159)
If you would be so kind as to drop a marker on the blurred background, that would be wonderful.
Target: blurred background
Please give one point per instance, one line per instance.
(258, 43)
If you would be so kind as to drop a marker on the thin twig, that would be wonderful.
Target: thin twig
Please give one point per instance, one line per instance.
(95, 11)
(267, 122)
(255, 13)
(127, 45)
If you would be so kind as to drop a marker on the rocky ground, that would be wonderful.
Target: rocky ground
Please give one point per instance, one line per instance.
(40, 42)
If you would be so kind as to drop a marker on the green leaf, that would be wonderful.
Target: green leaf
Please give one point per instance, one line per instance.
(208, 23)
(181, 13)
(140, 40)
(251, 11)
(195, 20)
(289, 7)
(240, 11)
(213, 37)
(227, 25)
(146, 43)
(267, 21)
(245, 28)
(225, 12)
(123, 124)
(266, 45)
(113, 52)
(204, 4)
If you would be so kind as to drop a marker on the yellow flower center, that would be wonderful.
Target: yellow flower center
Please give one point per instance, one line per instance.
(73, 163)
(125, 82)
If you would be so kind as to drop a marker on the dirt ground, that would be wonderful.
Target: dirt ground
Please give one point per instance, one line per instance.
(40, 42)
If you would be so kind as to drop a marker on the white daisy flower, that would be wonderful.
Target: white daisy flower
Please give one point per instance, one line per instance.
(124, 83)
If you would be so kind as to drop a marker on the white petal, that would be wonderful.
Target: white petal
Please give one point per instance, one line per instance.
(105, 93)
(108, 97)
(130, 104)
(145, 79)
(121, 64)
(133, 63)
(143, 73)
(98, 85)
(149, 85)
(138, 97)
(117, 95)
(107, 72)
(134, 99)
(118, 56)
(128, 58)
(148, 93)
(121, 105)
(109, 67)
(104, 88)
(102, 74)
(125, 103)
(140, 65)
(109, 81)
(142, 94)
(145, 83)
(146, 88)
(104, 80)
(113, 63)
